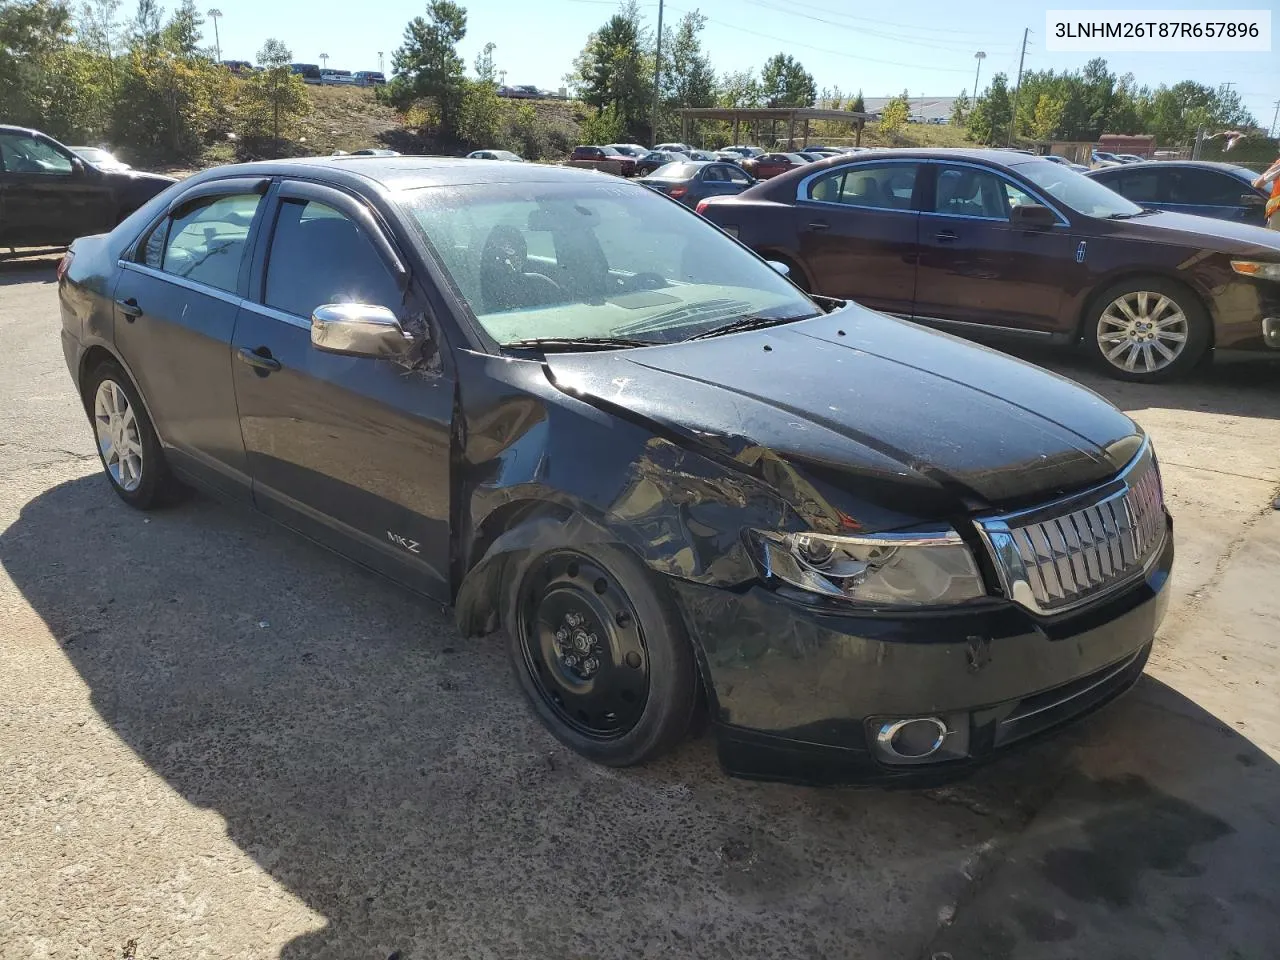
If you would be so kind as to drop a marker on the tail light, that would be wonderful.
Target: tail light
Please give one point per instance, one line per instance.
(702, 206)
(64, 264)
(679, 191)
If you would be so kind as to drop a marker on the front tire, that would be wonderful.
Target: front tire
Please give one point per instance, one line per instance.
(601, 656)
(128, 446)
(1148, 330)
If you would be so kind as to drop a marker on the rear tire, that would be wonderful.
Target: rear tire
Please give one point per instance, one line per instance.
(600, 654)
(128, 446)
(1147, 330)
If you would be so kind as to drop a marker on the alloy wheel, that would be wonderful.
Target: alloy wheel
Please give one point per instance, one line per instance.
(1142, 331)
(583, 645)
(119, 440)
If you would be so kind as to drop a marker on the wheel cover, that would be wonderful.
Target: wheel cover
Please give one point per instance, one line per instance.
(1142, 331)
(583, 645)
(119, 440)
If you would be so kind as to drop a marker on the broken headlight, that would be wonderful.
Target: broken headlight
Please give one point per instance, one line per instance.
(911, 569)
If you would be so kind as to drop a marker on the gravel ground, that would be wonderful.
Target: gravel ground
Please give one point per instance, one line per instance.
(217, 740)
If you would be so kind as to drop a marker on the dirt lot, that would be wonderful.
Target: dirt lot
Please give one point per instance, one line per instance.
(217, 741)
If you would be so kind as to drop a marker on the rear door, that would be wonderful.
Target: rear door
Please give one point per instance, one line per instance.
(858, 232)
(976, 267)
(354, 452)
(176, 304)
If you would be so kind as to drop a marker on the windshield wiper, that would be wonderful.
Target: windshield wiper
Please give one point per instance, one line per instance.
(567, 344)
(747, 323)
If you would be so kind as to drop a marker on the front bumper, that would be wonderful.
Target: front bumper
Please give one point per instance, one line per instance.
(1247, 315)
(797, 691)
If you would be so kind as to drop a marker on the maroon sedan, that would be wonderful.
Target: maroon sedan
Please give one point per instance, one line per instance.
(993, 243)
(772, 164)
(602, 154)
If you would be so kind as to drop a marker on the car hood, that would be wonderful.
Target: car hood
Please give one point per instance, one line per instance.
(915, 422)
(1225, 235)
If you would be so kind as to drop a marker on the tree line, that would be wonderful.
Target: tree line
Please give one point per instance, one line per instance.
(145, 83)
(1081, 105)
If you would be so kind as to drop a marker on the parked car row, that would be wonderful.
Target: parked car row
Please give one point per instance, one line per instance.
(998, 243)
(672, 479)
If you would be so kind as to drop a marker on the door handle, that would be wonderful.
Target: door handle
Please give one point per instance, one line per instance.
(264, 364)
(130, 309)
(945, 236)
(819, 225)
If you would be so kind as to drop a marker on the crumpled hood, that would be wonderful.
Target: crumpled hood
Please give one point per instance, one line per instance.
(911, 420)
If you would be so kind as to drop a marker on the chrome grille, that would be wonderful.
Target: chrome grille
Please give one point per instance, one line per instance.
(1050, 559)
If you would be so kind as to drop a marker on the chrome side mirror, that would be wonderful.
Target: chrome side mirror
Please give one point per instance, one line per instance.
(782, 268)
(358, 330)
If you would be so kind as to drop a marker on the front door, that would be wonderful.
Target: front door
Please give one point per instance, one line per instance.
(858, 229)
(176, 306)
(976, 267)
(354, 452)
(48, 199)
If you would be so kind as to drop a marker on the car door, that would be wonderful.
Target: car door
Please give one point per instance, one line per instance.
(976, 266)
(858, 229)
(177, 298)
(354, 452)
(1212, 193)
(49, 198)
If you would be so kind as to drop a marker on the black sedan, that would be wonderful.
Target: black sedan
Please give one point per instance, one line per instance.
(595, 422)
(49, 195)
(695, 181)
(654, 159)
(995, 243)
(1221, 190)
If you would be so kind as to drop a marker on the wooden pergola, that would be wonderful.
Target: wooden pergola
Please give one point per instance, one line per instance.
(755, 115)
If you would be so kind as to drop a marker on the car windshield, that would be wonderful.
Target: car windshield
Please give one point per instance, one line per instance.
(1077, 191)
(610, 152)
(595, 261)
(675, 171)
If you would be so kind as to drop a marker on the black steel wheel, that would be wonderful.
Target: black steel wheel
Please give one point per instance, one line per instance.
(600, 654)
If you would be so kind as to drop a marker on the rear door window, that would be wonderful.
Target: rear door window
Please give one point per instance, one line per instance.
(883, 186)
(207, 242)
(320, 256)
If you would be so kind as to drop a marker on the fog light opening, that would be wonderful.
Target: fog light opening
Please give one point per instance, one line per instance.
(914, 739)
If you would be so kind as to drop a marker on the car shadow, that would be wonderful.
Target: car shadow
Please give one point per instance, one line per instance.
(21, 268)
(387, 773)
(1236, 386)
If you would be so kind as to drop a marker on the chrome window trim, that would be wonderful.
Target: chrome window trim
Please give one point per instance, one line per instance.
(1000, 174)
(215, 292)
(271, 313)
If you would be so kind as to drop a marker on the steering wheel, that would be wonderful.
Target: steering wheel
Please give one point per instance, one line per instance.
(644, 281)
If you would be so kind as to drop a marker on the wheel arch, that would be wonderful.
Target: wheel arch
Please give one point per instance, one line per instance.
(801, 275)
(1095, 295)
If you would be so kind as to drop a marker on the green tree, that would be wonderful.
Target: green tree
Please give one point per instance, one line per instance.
(785, 82)
(960, 109)
(427, 65)
(992, 112)
(688, 79)
(480, 114)
(614, 70)
(857, 104)
(895, 114)
(182, 34)
(1046, 117)
(486, 69)
(740, 89)
(272, 102)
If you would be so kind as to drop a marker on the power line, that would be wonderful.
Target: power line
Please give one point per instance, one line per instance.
(884, 23)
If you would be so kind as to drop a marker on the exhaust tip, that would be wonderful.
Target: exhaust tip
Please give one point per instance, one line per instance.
(913, 739)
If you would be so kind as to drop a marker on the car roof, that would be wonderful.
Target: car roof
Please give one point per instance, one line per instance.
(10, 128)
(401, 173)
(1232, 168)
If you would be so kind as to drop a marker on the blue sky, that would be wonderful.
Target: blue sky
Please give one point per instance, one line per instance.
(925, 46)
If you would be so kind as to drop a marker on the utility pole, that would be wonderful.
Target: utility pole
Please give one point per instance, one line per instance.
(379, 61)
(1274, 117)
(979, 56)
(324, 59)
(657, 80)
(1017, 87)
(214, 14)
